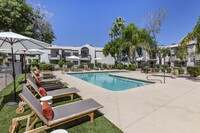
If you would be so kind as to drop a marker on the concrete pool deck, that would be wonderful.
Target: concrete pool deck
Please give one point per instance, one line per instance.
(173, 107)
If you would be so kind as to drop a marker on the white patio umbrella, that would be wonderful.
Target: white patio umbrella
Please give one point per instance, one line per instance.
(73, 57)
(14, 41)
(98, 59)
(28, 53)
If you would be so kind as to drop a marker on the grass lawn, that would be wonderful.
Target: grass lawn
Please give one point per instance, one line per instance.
(100, 125)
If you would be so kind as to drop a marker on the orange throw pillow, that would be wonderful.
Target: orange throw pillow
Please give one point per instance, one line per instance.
(38, 81)
(42, 91)
(47, 111)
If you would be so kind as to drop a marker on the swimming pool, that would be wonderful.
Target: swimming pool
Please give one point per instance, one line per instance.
(103, 79)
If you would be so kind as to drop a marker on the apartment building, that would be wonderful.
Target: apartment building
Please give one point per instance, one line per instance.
(86, 53)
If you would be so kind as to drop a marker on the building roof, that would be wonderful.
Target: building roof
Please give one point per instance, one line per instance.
(72, 47)
(176, 45)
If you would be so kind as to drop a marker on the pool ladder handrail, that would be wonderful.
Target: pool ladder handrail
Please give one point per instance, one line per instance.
(153, 79)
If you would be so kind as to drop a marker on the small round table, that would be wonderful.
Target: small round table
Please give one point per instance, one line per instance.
(59, 131)
(46, 99)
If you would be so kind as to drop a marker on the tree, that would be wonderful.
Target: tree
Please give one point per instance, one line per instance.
(18, 20)
(42, 29)
(133, 40)
(153, 25)
(21, 18)
(118, 25)
(194, 35)
(182, 53)
(113, 48)
(162, 53)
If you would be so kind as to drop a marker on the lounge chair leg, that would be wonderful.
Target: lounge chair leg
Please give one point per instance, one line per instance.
(91, 115)
(21, 109)
(71, 96)
(15, 122)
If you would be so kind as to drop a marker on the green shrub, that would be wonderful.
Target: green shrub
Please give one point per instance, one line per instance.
(165, 66)
(169, 70)
(181, 71)
(69, 64)
(157, 66)
(193, 71)
(81, 65)
(34, 63)
(98, 64)
(157, 69)
(163, 70)
(104, 66)
(61, 63)
(90, 65)
(120, 66)
(45, 66)
(132, 67)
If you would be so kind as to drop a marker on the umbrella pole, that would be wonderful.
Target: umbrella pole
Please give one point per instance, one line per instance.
(25, 66)
(13, 65)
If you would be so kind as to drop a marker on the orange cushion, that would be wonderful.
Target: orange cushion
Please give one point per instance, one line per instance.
(42, 91)
(38, 79)
(47, 111)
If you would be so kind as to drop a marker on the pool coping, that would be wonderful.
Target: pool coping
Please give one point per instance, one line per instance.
(131, 78)
(79, 72)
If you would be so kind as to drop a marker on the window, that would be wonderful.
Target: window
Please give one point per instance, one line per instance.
(68, 53)
(75, 53)
(75, 62)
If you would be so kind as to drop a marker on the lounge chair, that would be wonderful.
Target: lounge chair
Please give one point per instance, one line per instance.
(52, 80)
(62, 114)
(51, 86)
(55, 94)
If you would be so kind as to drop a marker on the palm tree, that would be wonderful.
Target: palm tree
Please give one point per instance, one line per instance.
(193, 36)
(118, 25)
(182, 53)
(165, 51)
(134, 39)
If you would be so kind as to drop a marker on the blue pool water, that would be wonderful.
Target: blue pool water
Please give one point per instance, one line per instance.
(110, 82)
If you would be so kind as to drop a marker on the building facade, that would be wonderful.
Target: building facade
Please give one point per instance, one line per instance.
(192, 58)
(86, 53)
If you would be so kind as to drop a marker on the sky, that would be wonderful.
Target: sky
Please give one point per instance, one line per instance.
(79, 22)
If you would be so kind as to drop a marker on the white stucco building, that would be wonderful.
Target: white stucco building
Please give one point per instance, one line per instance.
(192, 59)
(86, 53)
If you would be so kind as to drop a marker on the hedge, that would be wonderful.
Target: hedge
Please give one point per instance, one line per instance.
(120, 66)
(132, 67)
(193, 71)
(45, 66)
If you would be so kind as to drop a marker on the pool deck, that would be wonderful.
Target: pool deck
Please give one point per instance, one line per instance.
(173, 107)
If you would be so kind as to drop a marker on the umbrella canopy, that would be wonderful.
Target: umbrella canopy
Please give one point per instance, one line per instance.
(7, 51)
(14, 41)
(19, 42)
(30, 52)
(98, 58)
(73, 57)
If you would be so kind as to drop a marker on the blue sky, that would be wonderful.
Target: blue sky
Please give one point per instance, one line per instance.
(77, 22)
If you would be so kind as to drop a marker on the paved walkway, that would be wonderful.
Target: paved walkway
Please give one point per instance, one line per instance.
(173, 107)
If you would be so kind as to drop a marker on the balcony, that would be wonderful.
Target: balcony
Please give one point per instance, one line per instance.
(34, 57)
(85, 57)
(57, 57)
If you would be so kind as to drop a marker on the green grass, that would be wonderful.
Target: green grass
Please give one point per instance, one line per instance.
(100, 125)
